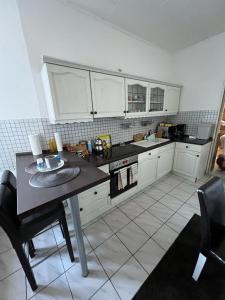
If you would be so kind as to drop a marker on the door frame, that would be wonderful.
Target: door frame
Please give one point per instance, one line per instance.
(216, 131)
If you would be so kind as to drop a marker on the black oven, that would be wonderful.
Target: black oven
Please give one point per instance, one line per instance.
(123, 175)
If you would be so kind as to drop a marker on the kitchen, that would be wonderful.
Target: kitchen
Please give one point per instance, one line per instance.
(156, 150)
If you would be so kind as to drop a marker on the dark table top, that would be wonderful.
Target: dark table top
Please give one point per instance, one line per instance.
(31, 199)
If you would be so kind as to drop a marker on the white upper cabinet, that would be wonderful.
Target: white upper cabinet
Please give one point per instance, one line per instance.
(77, 95)
(108, 95)
(172, 99)
(157, 98)
(137, 93)
(68, 94)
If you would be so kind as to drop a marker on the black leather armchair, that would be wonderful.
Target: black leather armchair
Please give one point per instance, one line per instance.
(212, 205)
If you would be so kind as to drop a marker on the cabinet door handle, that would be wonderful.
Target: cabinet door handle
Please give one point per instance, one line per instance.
(124, 111)
(187, 147)
(95, 193)
(158, 156)
(165, 109)
(197, 155)
(149, 153)
(95, 112)
(127, 111)
(91, 112)
(81, 209)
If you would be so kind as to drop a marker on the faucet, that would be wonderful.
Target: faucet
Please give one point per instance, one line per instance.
(150, 132)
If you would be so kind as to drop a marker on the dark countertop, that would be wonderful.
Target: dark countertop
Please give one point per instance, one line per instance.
(187, 140)
(31, 199)
(120, 152)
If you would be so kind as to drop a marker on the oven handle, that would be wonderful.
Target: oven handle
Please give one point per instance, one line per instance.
(118, 169)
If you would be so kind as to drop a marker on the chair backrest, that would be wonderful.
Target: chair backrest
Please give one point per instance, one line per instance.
(9, 179)
(212, 205)
(8, 204)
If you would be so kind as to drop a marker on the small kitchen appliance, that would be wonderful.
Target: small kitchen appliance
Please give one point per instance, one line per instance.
(98, 146)
(180, 130)
(205, 131)
(170, 130)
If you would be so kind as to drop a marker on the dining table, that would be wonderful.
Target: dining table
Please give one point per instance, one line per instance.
(32, 199)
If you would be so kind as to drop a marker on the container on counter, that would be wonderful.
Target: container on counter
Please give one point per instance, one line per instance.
(89, 144)
(52, 145)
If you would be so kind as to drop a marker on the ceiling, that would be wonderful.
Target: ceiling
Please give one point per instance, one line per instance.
(170, 24)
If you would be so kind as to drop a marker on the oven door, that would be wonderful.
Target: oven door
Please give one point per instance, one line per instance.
(123, 179)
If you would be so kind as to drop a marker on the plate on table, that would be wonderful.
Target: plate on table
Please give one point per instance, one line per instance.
(44, 170)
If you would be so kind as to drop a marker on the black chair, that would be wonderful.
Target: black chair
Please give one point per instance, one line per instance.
(20, 232)
(212, 205)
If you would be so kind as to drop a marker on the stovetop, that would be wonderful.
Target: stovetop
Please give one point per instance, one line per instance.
(117, 152)
(120, 151)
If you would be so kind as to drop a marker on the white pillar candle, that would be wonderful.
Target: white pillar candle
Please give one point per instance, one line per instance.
(58, 141)
(35, 144)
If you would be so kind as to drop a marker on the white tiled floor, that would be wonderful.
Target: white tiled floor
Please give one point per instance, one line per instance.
(123, 247)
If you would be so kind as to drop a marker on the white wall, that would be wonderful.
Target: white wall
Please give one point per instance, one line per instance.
(201, 70)
(57, 29)
(17, 92)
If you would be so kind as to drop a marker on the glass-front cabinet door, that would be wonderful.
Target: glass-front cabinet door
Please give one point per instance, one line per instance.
(157, 97)
(137, 92)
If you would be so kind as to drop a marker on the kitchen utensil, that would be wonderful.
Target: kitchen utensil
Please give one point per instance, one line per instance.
(40, 180)
(151, 138)
(107, 138)
(52, 161)
(98, 145)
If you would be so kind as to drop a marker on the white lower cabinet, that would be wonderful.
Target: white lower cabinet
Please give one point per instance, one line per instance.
(186, 163)
(165, 160)
(147, 168)
(154, 164)
(94, 202)
(191, 160)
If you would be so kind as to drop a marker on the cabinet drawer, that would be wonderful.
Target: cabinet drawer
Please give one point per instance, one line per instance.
(188, 147)
(93, 204)
(87, 216)
(147, 154)
(100, 191)
(166, 147)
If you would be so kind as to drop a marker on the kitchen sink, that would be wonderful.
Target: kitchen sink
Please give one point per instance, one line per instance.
(146, 143)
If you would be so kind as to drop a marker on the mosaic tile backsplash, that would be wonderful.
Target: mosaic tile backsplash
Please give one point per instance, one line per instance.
(193, 118)
(14, 133)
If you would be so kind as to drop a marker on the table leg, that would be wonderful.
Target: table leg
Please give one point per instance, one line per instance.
(75, 211)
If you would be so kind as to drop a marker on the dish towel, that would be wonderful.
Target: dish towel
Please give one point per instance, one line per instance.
(133, 173)
(122, 178)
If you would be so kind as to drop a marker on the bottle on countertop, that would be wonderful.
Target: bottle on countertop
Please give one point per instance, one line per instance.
(89, 147)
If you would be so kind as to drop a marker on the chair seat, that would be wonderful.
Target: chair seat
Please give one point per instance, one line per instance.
(44, 212)
(33, 224)
(217, 236)
(20, 232)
